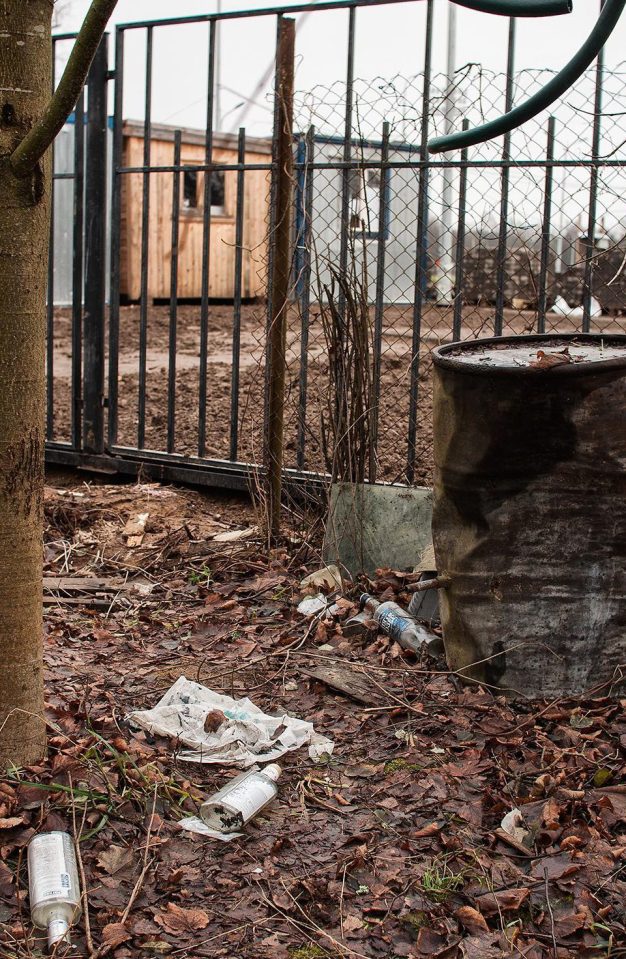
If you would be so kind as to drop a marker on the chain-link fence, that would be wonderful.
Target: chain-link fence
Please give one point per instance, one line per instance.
(525, 236)
(392, 252)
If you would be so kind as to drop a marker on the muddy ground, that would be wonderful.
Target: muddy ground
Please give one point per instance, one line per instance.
(394, 393)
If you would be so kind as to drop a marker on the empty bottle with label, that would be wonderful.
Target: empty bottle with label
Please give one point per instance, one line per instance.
(399, 625)
(53, 884)
(241, 799)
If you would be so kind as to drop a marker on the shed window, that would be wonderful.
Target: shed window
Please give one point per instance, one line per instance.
(217, 191)
(193, 190)
(190, 189)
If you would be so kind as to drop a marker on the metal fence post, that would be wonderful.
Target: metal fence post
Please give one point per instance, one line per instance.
(95, 246)
(280, 267)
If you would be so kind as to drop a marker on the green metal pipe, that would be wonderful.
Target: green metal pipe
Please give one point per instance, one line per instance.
(519, 8)
(556, 87)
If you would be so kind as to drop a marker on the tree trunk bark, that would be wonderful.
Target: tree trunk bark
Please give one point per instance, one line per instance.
(25, 71)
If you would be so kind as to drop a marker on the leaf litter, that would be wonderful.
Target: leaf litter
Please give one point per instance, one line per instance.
(448, 822)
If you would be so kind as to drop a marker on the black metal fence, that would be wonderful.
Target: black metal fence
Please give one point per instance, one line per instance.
(528, 233)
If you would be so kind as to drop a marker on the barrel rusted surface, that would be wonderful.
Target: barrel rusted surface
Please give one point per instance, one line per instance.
(529, 513)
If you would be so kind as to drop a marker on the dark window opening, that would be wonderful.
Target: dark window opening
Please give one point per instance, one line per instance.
(193, 190)
(217, 189)
(190, 189)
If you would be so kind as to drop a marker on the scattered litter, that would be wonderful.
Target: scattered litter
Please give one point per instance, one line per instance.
(328, 578)
(513, 824)
(235, 804)
(195, 824)
(241, 799)
(235, 535)
(562, 308)
(401, 627)
(249, 735)
(313, 605)
(135, 530)
(359, 625)
(54, 890)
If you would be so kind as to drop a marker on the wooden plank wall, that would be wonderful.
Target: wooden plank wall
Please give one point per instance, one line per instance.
(222, 233)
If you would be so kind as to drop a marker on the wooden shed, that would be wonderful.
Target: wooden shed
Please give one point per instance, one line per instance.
(223, 210)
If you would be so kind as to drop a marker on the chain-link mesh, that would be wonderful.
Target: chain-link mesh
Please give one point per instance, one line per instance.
(393, 253)
(493, 257)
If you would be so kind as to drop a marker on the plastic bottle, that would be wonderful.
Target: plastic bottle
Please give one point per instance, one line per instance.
(241, 799)
(54, 888)
(398, 624)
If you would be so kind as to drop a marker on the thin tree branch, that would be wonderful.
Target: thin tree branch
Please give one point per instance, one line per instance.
(26, 156)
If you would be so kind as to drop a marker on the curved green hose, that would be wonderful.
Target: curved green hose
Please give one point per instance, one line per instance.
(519, 8)
(555, 88)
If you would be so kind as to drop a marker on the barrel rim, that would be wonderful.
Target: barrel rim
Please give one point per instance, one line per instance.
(443, 361)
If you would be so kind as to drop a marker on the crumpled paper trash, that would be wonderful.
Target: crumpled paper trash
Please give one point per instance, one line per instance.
(249, 735)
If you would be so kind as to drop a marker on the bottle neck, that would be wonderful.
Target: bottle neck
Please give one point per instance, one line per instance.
(272, 771)
(368, 602)
(58, 929)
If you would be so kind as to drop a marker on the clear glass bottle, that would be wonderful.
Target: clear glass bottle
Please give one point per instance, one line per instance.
(398, 624)
(54, 888)
(241, 799)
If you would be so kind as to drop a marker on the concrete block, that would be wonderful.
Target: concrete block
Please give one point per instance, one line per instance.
(374, 525)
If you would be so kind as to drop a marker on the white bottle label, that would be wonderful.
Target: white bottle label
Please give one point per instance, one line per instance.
(250, 796)
(49, 878)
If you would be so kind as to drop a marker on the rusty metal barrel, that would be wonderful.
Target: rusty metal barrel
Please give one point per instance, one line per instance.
(529, 511)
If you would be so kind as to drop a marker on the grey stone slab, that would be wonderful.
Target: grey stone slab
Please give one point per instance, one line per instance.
(376, 525)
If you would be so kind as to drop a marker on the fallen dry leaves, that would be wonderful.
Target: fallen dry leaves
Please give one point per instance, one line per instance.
(392, 849)
(181, 921)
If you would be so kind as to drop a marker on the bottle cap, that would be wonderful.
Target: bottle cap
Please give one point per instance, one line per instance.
(273, 771)
(57, 931)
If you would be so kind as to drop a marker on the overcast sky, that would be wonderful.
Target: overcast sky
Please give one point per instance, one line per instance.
(389, 42)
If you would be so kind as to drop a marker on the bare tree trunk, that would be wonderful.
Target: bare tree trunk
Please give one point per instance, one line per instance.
(25, 71)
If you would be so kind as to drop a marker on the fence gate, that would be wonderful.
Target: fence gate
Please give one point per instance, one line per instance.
(164, 242)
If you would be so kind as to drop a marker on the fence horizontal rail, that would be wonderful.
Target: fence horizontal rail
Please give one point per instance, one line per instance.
(322, 5)
(376, 165)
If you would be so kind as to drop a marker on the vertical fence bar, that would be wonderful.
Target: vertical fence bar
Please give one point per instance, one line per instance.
(546, 229)
(145, 246)
(299, 252)
(346, 237)
(95, 244)
(506, 177)
(379, 305)
(421, 253)
(77, 268)
(206, 243)
(593, 191)
(115, 249)
(171, 363)
(280, 240)
(239, 223)
(50, 292)
(305, 292)
(459, 256)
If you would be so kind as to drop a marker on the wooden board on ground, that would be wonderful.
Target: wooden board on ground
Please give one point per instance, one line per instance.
(345, 679)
